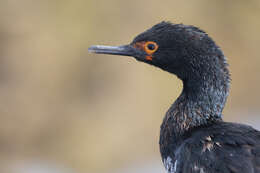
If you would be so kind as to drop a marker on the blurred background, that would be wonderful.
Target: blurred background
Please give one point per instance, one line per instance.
(63, 110)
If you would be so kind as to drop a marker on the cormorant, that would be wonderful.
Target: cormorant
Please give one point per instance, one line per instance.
(193, 136)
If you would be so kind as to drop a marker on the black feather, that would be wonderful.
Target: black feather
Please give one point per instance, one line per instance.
(193, 137)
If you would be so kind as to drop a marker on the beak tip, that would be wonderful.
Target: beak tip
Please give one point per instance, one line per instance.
(91, 49)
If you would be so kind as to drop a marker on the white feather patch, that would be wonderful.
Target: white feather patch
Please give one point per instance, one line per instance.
(169, 166)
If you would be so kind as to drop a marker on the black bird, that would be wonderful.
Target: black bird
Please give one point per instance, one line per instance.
(193, 137)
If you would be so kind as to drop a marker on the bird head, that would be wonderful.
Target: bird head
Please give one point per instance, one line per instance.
(180, 49)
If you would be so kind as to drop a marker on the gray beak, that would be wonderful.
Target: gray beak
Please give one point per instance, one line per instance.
(125, 50)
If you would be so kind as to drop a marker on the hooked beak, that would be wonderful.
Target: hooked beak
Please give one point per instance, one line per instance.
(125, 50)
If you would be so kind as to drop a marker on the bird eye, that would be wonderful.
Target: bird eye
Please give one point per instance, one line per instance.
(150, 47)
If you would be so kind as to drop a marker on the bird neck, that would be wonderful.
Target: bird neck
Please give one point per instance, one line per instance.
(201, 101)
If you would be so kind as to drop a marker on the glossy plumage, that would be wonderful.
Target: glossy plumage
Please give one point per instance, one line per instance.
(218, 147)
(193, 137)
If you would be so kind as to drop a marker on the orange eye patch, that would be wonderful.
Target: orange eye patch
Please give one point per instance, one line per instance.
(149, 47)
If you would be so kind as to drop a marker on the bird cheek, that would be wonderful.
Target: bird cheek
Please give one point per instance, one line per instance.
(149, 58)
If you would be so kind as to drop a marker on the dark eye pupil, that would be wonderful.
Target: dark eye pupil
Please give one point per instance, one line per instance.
(151, 46)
